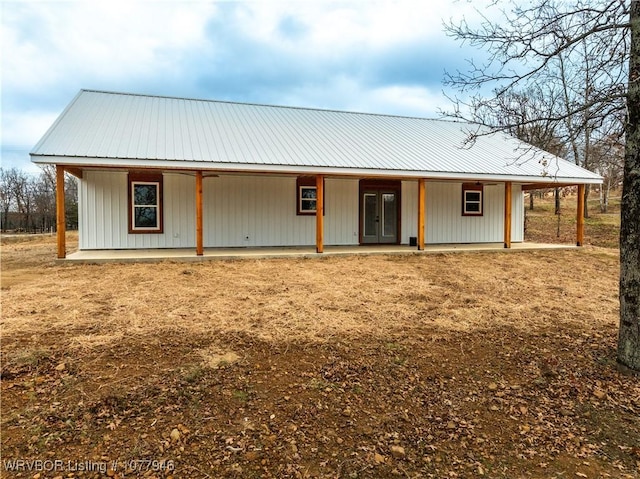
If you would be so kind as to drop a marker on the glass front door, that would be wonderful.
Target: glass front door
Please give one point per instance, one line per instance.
(379, 217)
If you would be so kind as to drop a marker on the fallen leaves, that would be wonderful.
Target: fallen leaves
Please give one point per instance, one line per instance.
(599, 393)
(426, 401)
(398, 452)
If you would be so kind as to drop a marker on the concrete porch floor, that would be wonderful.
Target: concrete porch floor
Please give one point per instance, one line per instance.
(188, 254)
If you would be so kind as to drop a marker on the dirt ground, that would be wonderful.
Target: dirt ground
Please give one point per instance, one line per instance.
(441, 366)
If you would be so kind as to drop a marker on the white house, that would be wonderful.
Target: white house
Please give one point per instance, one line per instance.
(158, 172)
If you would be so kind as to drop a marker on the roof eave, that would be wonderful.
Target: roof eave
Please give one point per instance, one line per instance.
(304, 170)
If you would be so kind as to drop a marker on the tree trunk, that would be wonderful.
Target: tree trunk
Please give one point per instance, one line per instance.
(604, 196)
(629, 336)
(556, 195)
(531, 201)
(586, 203)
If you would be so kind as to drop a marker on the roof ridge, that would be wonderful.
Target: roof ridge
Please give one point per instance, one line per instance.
(231, 102)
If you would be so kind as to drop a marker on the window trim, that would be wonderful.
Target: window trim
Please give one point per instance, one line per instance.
(306, 182)
(475, 188)
(145, 178)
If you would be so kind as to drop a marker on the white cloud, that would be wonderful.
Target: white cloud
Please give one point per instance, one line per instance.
(25, 128)
(47, 43)
(410, 101)
(374, 56)
(372, 24)
(392, 100)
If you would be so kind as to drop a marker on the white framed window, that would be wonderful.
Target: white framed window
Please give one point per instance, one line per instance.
(306, 195)
(472, 199)
(145, 204)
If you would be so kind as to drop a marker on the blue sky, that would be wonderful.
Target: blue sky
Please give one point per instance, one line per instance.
(371, 56)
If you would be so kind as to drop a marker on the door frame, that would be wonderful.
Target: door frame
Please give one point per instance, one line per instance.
(368, 184)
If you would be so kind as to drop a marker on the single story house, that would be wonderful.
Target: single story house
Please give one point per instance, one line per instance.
(159, 172)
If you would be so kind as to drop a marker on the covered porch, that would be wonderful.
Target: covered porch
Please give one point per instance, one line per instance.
(420, 244)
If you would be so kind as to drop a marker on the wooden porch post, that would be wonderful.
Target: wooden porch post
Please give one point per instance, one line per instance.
(319, 213)
(199, 242)
(421, 213)
(61, 222)
(580, 216)
(507, 214)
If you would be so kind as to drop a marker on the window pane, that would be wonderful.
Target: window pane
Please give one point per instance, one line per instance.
(472, 208)
(145, 194)
(308, 205)
(389, 220)
(145, 217)
(370, 214)
(308, 195)
(472, 196)
(308, 192)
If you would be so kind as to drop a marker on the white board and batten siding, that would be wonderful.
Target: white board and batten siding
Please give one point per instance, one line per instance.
(261, 211)
(517, 214)
(103, 203)
(252, 211)
(409, 211)
(239, 211)
(444, 221)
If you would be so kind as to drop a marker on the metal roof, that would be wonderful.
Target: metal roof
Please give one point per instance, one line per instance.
(126, 130)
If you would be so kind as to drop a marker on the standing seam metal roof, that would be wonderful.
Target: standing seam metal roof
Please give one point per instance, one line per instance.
(132, 128)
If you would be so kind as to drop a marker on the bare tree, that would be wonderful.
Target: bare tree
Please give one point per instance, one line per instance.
(71, 201)
(28, 202)
(45, 198)
(596, 42)
(6, 197)
(527, 115)
(565, 52)
(587, 127)
(629, 336)
(608, 160)
(17, 184)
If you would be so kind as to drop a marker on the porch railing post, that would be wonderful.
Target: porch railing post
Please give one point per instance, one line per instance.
(61, 222)
(319, 213)
(421, 213)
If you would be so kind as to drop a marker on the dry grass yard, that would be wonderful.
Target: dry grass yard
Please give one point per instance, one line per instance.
(440, 366)
(601, 229)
